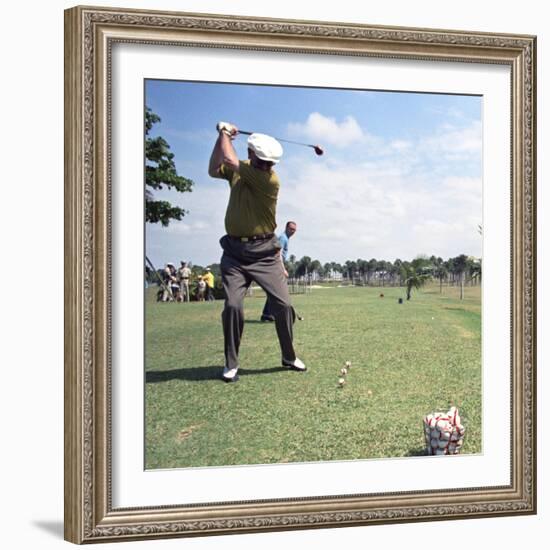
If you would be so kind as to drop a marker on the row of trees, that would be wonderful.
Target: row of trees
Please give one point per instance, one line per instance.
(459, 270)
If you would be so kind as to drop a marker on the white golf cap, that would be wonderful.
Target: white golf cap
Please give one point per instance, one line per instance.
(265, 147)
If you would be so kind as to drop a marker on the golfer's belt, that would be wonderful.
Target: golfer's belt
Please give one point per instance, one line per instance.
(253, 237)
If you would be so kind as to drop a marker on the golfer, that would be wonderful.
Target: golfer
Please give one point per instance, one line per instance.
(250, 248)
(290, 229)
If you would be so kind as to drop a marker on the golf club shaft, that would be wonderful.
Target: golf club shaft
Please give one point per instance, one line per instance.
(162, 283)
(279, 139)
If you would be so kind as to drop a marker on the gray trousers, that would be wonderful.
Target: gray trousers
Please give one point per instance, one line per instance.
(242, 263)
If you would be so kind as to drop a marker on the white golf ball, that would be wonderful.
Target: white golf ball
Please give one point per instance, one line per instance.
(343, 371)
(348, 364)
(341, 382)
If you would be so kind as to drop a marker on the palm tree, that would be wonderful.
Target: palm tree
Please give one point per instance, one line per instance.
(303, 267)
(475, 270)
(460, 265)
(380, 271)
(397, 269)
(350, 267)
(413, 277)
(441, 273)
(314, 268)
(362, 266)
(393, 272)
(290, 266)
(371, 268)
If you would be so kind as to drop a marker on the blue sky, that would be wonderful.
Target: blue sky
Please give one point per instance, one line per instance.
(401, 175)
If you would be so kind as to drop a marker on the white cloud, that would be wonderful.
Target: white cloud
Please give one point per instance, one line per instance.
(183, 228)
(435, 235)
(463, 186)
(328, 130)
(455, 142)
(202, 136)
(401, 145)
(369, 211)
(195, 238)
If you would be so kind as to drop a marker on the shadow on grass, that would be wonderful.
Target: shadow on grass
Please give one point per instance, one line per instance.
(198, 374)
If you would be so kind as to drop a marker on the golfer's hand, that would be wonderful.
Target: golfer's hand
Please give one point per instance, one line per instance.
(228, 129)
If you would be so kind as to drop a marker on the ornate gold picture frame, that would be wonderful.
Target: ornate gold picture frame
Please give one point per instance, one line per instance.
(90, 35)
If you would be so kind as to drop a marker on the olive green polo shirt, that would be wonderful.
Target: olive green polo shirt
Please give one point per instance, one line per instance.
(252, 202)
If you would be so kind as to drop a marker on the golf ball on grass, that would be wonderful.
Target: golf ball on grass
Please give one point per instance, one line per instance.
(341, 382)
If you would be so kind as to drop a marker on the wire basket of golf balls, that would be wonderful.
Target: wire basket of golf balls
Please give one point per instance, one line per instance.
(444, 433)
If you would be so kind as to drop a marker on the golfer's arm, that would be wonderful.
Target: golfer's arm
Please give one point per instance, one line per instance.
(216, 160)
(223, 153)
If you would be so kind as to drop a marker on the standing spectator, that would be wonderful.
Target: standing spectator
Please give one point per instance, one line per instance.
(290, 229)
(184, 273)
(201, 289)
(175, 287)
(169, 278)
(209, 280)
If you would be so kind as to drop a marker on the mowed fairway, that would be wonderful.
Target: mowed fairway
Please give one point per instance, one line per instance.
(407, 360)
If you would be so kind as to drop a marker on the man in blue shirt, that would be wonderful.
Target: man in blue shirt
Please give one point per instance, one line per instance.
(290, 229)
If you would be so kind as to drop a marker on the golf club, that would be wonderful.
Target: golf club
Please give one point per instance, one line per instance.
(318, 150)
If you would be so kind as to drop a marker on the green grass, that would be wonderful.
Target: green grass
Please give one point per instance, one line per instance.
(407, 360)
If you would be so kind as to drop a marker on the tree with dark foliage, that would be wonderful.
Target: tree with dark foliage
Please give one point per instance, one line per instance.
(160, 173)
